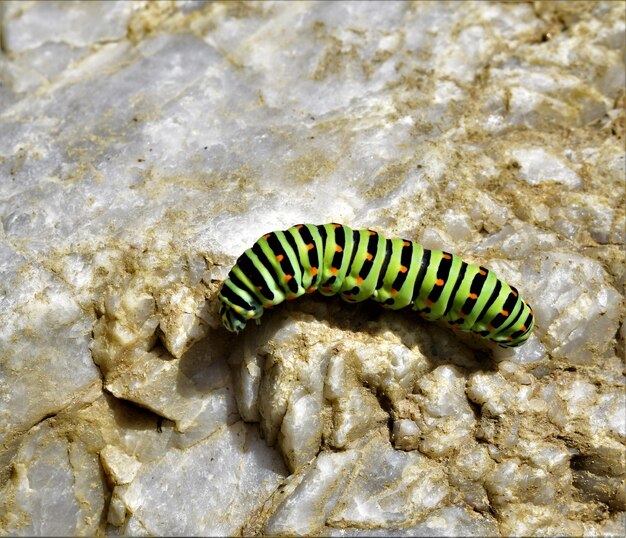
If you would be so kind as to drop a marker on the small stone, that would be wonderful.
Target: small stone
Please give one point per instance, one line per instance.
(538, 166)
(120, 467)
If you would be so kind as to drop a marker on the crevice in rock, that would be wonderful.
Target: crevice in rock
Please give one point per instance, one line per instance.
(44, 418)
(387, 406)
(151, 414)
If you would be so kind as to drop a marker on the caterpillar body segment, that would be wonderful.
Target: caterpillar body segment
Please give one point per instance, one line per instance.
(362, 264)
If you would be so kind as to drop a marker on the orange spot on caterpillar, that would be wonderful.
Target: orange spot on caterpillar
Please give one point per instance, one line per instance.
(371, 232)
(288, 278)
(403, 269)
(326, 288)
(473, 296)
(490, 327)
(482, 272)
(250, 315)
(462, 314)
(509, 338)
(266, 236)
(291, 297)
(299, 226)
(523, 328)
(338, 249)
(394, 292)
(310, 289)
(310, 246)
(335, 225)
(514, 293)
(259, 288)
(446, 256)
(280, 258)
(359, 280)
(368, 257)
(406, 243)
(504, 313)
(313, 271)
(334, 270)
(439, 282)
(429, 302)
(268, 305)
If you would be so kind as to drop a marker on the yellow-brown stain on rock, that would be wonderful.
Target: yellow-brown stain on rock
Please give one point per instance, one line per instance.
(309, 167)
(390, 178)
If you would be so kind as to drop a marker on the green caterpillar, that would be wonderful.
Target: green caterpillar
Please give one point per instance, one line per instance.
(362, 264)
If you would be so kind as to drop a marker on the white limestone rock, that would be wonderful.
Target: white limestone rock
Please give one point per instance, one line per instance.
(390, 487)
(353, 416)
(154, 308)
(120, 467)
(183, 319)
(387, 488)
(513, 482)
(28, 26)
(215, 483)
(198, 394)
(247, 372)
(145, 145)
(537, 166)
(406, 434)
(55, 488)
(140, 460)
(310, 500)
(449, 521)
(316, 384)
(578, 309)
(446, 420)
(494, 393)
(44, 356)
(117, 511)
(528, 519)
(301, 429)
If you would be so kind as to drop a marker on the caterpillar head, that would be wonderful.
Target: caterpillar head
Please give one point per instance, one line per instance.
(232, 321)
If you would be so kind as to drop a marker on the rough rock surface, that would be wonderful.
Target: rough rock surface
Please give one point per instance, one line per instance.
(145, 145)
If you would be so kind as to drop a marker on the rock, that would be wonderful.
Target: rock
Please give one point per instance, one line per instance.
(145, 145)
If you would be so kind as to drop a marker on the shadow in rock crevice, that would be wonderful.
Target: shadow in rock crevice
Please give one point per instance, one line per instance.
(438, 343)
(129, 415)
(203, 367)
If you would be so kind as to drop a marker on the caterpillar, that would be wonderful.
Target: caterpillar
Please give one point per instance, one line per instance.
(362, 264)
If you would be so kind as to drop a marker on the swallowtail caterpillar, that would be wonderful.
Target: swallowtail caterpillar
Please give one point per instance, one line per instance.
(362, 264)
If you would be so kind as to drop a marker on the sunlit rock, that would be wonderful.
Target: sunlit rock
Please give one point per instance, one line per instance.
(121, 468)
(145, 145)
(234, 471)
(537, 166)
